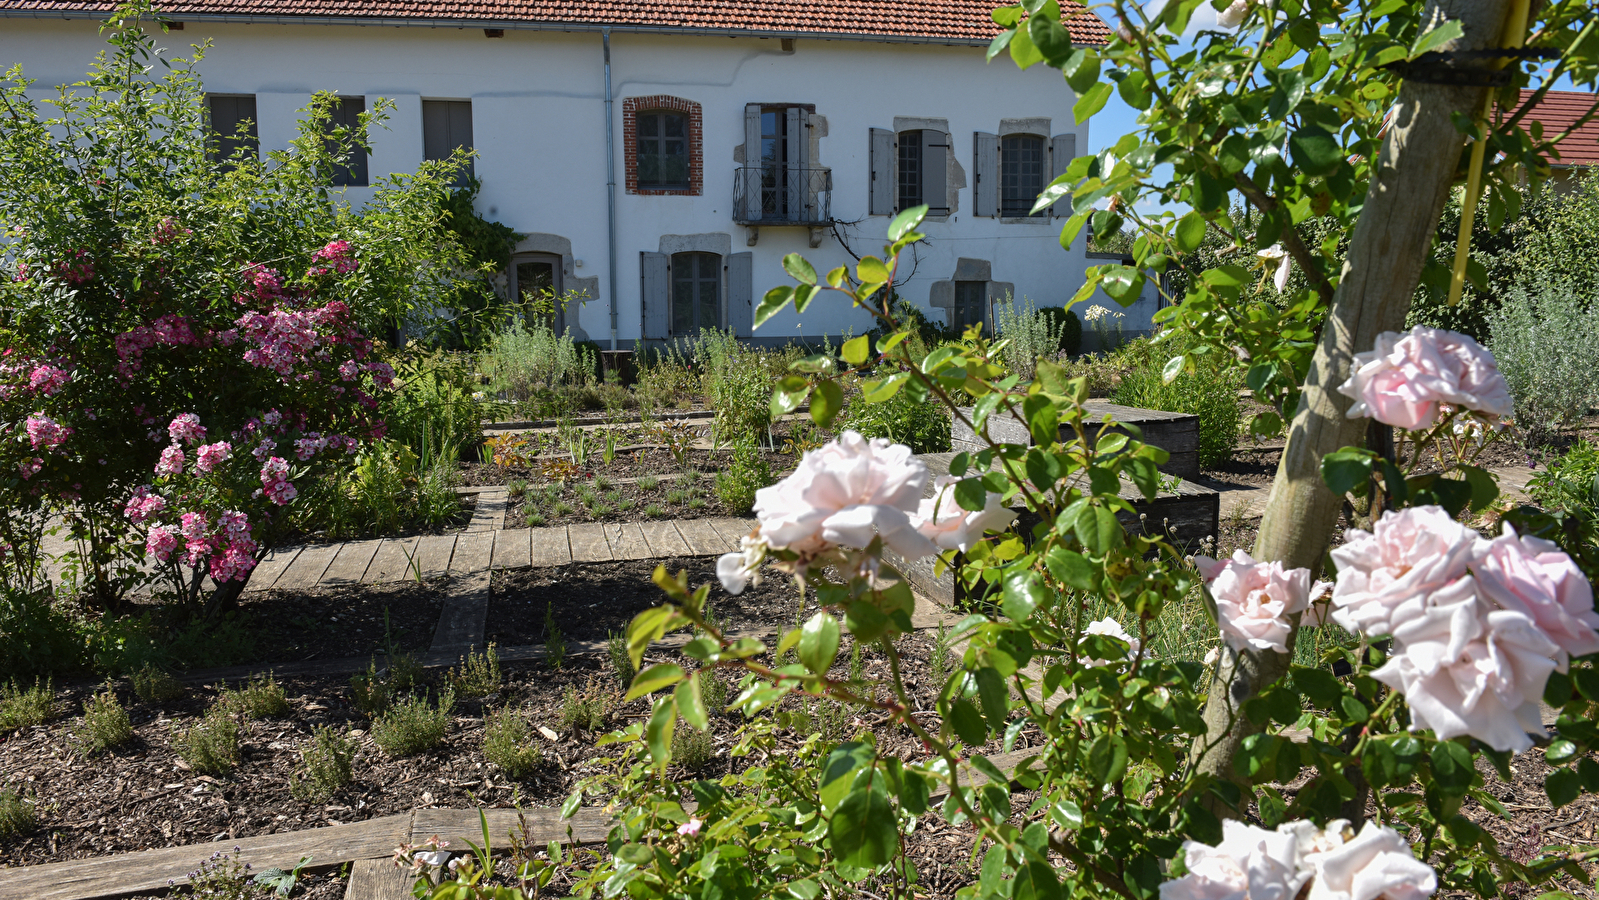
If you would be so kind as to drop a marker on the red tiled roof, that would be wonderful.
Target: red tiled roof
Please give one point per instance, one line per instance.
(1557, 111)
(931, 20)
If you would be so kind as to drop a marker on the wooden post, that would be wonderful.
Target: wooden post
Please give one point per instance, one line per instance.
(1415, 173)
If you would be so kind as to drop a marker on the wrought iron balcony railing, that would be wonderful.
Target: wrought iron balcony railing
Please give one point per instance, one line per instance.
(782, 195)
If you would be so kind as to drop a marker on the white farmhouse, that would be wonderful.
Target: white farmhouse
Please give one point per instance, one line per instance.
(664, 156)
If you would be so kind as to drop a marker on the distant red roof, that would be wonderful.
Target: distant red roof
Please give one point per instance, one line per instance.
(1558, 111)
(908, 20)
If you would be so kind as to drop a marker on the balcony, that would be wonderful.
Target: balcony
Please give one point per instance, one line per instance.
(779, 195)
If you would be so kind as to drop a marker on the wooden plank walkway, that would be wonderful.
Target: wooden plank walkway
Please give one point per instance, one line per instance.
(589, 543)
(268, 570)
(664, 540)
(350, 566)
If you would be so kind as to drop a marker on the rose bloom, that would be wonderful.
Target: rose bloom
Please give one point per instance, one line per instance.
(1466, 669)
(1255, 599)
(1377, 863)
(211, 456)
(845, 493)
(1250, 863)
(186, 428)
(1108, 627)
(1535, 577)
(950, 526)
(1406, 377)
(1409, 559)
(171, 461)
(160, 543)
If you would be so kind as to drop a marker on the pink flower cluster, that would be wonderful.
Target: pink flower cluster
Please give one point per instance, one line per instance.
(186, 428)
(171, 462)
(275, 481)
(78, 269)
(170, 330)
(210, 457)
(167, 231)
(281, 338)
(1477, 624)
(160, 541)
(1411, 380)
(30, 467)
(227, 552)
(1255, 600)
(46, 433)
(143, 504)
(48, 379)
(1298, 860)
(339, 256)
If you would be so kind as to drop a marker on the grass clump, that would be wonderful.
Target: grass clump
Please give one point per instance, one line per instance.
(621, 662)
(325, 766)
(602, 483)
(17, 816)
(561, 508)
(654, 511)
(508, 743)
(211, 745)
(713, 692)
(648, 483)
(583, 710)
(152, 685)
(535, 520)
(25, 708)
(554, 640)
(692, 748)
(261, 698)
(373, 693)
(413, 725)
(677, 496)
(479, 675)
(105, 724)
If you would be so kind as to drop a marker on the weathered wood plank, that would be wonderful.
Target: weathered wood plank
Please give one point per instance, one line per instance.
(489, 513)
(127, 873)
(378, 879)
(627, 541)
(465, 616)
(589, 825)
(702, 537)
(307, 568)
(589, 543)
(267, 570)
(473, 552)
(731, 530)
(350, 566)
(664, 539)
(511, 549)
(393, 561)
(433, 554)
(550, 546)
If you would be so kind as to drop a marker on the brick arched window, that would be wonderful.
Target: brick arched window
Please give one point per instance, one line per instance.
(662, 146)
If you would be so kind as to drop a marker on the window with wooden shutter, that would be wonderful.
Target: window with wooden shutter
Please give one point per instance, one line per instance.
(985, 166)
(662, 150)
(935, 171)
(233, 123)
(909, 180)
(347, 113)
(1062, 150)
(881, 201)
(446, 127)
(1021, 168)
(696, 292)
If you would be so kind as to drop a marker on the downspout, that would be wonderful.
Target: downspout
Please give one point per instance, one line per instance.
(610, 177)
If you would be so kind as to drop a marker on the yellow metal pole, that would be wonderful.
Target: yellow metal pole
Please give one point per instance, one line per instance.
(1515, 36)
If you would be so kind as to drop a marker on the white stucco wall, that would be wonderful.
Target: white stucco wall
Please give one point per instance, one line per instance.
(538, 122)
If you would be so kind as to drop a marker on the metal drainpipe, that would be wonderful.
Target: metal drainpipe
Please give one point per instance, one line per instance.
(610, 176)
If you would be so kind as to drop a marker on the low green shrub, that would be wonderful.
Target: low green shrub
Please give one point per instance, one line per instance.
(105, 724)
(479, 675)
(325, 766)
(583, 710)
(25, 708)
(18, 818)
(261, 698)
(1064, 322)
(1547, 347)
(713, 692)
(39, 636)
(747, 473)
(153, 685)
(621, 662)
(1210, 391)
(413, 725)
(692, 748)
(924, 427)
(211, 745)
(1030, 334)
(508, 743)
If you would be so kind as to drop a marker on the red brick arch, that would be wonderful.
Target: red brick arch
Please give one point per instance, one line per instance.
(631, 107)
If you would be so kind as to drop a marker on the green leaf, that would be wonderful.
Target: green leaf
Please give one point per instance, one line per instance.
(873, 391)
(838, 772)
(691, 703)
(1071, 568)
(1099, 530)
(797, 266)
(870, 270)
(1035, 881)
(772, 303)
(1190, 232)
(1315, 150)
(991, 690)
(1023, 52)
(865, 621)
(1122, 283)
(863, 830)
(1437, 37)
(1452, 768)
(1051, 40)
(970, 494)
(1092, 101)
(1347, 470)
(818, 644)
(803, 296)
(906, 222)
(1172, 369)
(1107, 758)
(1562, 786)
(855, 350)
(826, 401)
(653, 679)
(967, 722)
(804, 889)
(658, 731)
(1024, 592)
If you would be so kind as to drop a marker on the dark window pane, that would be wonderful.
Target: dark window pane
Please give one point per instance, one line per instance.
(910, 169)
(676, 126)
(662, 163)
(233, 122)
(347, 114)
(696, 292)
(648, 125)
(1021, 174)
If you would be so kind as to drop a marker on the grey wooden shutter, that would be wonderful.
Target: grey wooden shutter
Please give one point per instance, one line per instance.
(935, 152)
(741, 294)
(751, 176)
(985, 163)
(435, 130)
(884, 163)
(1062, 150)
(228, 114)
(801, 199)
(655, 293)
(347, 113)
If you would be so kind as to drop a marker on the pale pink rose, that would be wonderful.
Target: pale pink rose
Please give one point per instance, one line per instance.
(1255, 599)
(1250, 863)
(1232, 17)
(949, 526)
(1409, 559)
(1377, 863)
(1535, 577)
(690, 828)
(1108, 627)
(842, 495)
(1404, 379)
(211, 456)
(740, 569)
(1464, 669)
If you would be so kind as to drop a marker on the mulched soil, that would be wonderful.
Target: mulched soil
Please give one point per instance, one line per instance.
(345, 620)
(629, 464)
(603, 499)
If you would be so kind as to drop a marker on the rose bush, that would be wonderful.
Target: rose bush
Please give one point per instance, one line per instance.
(184, 337)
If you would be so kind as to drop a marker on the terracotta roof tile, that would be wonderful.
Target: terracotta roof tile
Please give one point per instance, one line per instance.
(931, 20)
(1558, 111)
